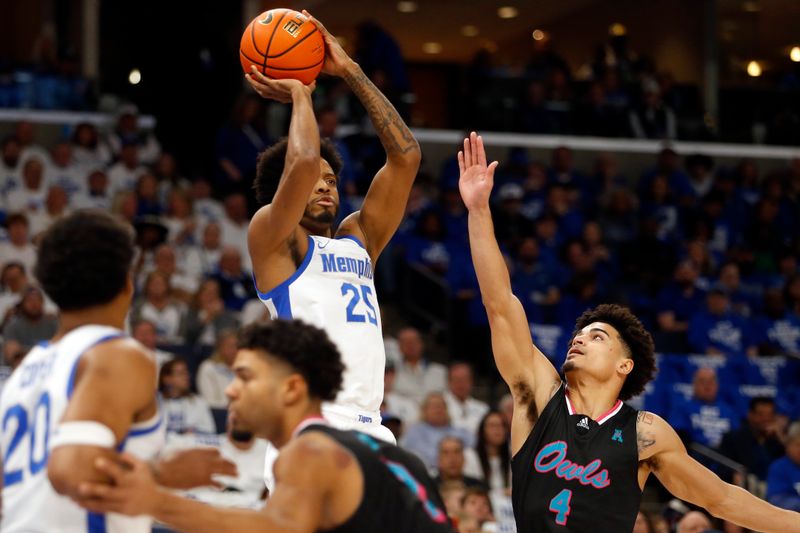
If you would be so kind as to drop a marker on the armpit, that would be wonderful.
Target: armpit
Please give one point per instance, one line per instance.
(523, 395)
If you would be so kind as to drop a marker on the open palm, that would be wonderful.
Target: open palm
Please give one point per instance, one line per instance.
(476, 179)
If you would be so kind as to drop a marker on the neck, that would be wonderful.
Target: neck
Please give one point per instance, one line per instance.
(319, 230)
(295, 419)
(244, 446)
(590, 397)
(105, 315)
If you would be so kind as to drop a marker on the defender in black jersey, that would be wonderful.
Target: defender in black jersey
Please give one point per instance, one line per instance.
(326, 479)
(581, 456)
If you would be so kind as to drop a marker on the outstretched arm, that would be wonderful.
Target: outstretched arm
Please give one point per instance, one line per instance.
(529, 374)
(386, 199)
(688, 480)
(273, 224)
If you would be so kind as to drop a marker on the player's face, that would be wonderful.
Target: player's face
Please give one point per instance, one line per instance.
(323, 203)
(598, 350)
(254, 394)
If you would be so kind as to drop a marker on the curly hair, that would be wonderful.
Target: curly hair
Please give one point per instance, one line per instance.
(85, 259)
(637, 341)
(305, 348)
(272, 161)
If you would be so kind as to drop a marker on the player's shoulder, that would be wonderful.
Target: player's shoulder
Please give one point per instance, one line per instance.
(654, 435)
(122, 352)
(314, 455)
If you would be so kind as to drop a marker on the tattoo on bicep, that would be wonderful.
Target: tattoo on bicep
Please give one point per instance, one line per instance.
(645, 418)
(391, 129)
(644, 440)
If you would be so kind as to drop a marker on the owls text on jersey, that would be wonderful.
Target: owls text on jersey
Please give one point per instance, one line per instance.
(32, 404)
(333, 289)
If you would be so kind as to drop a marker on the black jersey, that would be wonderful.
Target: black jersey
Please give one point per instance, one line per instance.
(577, 474)
(399, 495)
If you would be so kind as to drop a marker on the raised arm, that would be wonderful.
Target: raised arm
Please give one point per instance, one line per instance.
(528, 373)
(386, 199)
(273, 224)
(664, 453)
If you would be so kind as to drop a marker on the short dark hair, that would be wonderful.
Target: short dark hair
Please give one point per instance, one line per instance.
(85, 259)
(16, 218)
(760, 400)
(272, 161)
(305, 348)
(637, 341)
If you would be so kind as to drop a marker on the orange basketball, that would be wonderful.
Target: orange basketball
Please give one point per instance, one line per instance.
(283, 43)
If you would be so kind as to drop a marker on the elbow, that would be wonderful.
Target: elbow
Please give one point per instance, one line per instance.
(408, 154)
(62, 477)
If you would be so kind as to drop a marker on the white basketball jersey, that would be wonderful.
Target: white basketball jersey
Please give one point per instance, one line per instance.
(31, 406)
(333, 289)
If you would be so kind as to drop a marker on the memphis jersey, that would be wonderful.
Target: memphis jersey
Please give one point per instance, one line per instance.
(333, 289)
(33, 403)
(577, 474)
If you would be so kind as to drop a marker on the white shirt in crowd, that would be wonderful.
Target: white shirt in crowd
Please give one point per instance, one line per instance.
(472, 468)
(208, 210)
(21, 254)
(213, 377)
(167, 320)
(24, 200)
(404, 408)
(122, 178)
(416, 382)
(189, 414)
(236, 235)
(71, 178)
(466, 414)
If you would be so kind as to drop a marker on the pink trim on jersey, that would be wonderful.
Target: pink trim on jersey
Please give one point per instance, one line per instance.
(605, 416)
(308, 421)
(570, 410)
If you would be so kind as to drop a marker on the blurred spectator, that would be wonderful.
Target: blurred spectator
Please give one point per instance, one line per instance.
(185, 412)
(416, 376)
(123, 174)
(55, 206)
(660, 204)
(88, 150)
(783, 478)
(477, 506)
(450, 464)
(236, 285)
(743, 299)
(239, 143)
(618, 216)
(210, 250)
(145, 332)
(215, 373)
(380, 57)
(65, 172)
(207, 316)
(465, 411)
(30, 324)
(423, 437)
(13, 282)
(491, 460)
(777, 329)
(182, 285)
(127, 132)
(678, 300)
(533, 280)
(511, 226)
(397, 404)
(704, 418)
(169, 177)
(452, 493)
(30, 195)
(18, 248)
(758, 442)
(180, 220)
(693, 522)
(700, 168)
(234, 225)
(25, 133)
(653, 119)
(595, 117)
(428, 247)
(98, 194)
(206, 208)
(159, 307)
(147, 200)
(506, 407)
(717, 330)
(10, 166)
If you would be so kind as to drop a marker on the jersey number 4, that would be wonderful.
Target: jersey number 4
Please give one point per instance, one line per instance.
(357, 296)
(560, 505)
(37, 429)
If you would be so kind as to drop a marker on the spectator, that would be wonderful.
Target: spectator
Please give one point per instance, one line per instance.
(450, 464)
(428, 247)
(65, 172)
(416, 376)
(215, 373)
(148, 202)
(185, 412)
(677, 302)
(169, 178)
(716, 330)
(478, 506)
(777, 330)
(207, 316)
(123, 174)
(758, 442)
(700, 168)
(180, 220)
(783, 478)
(210, 249)
(127, 133)
(397, 404)
(234, 225)
(693, 522)
(506, 407)
(743, 300)
(145, 332)
(18, 248)
(423, 437)
(55, 207)
(30, 324)
(159, 307)
(206, 208)
(491, 461)
(30, 196)
(98, 194)
(465, 411)
(704, 418)
(10, 167)
(239, 144)
(452, 493)
(182, 284)
(236, 285)
(533, 280)
(13, 282)
(25, 133)
(653, 119)
(88, 150)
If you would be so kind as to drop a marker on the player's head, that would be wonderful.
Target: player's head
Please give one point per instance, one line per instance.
(283, 369)
(323, 202)
(611, 345)
(85, 261)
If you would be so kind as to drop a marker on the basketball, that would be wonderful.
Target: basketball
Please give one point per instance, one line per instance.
(283, 43)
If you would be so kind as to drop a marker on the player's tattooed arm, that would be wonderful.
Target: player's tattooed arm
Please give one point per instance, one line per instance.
(645, 436)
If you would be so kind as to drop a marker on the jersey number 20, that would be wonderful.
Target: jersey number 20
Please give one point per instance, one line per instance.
(35, 428)
(356, 296)
(560, 505)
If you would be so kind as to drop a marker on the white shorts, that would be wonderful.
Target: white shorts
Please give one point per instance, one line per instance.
(341, 418)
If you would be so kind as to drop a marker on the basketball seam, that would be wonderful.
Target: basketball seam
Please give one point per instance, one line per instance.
(269, 43)
(250, 59)
(298, 68)
(295, 44)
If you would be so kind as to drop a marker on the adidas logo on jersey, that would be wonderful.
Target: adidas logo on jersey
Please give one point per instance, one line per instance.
(584, 423)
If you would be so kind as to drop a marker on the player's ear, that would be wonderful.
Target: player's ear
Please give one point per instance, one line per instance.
(294, 389)
(625, 366)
